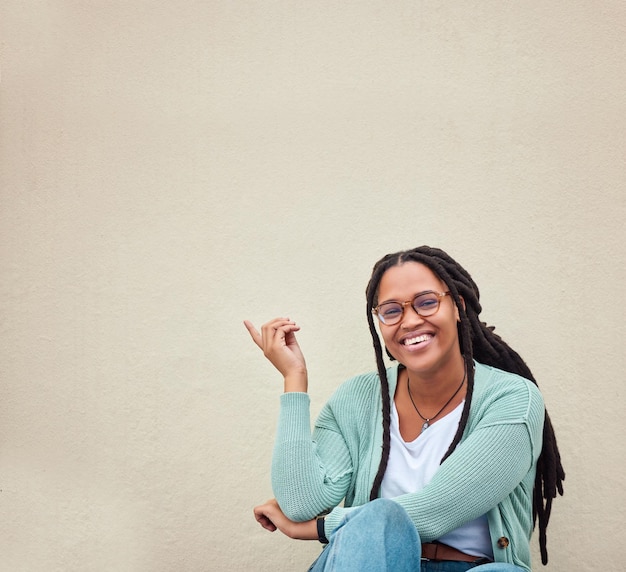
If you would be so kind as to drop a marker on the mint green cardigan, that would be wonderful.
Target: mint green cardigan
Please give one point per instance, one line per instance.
(491, 471)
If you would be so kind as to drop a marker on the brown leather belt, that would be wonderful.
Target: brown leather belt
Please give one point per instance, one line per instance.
(436, 551)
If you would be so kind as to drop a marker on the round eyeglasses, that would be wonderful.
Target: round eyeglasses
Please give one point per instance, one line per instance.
(425, 304)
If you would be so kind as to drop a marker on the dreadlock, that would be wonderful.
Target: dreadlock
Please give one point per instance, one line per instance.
(477, 341)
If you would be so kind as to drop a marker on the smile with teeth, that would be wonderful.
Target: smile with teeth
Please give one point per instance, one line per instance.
(417, 339)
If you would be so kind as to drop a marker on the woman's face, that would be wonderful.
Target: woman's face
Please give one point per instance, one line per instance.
(425, 345)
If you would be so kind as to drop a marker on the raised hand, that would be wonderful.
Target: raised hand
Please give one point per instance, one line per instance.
(278, 342)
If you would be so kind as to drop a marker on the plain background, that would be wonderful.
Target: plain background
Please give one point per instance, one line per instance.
(168, 169)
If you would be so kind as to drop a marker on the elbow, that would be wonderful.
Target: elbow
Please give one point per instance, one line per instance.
(296, 509)
(302, 499)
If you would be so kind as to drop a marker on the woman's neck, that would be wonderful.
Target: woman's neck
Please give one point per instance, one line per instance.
(432, 386)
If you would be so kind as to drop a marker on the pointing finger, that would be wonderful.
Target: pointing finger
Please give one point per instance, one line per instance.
(254, 334)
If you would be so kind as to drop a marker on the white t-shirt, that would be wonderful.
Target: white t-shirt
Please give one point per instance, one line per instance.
(412, 465)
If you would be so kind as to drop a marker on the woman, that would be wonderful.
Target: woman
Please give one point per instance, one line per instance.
(444, 461)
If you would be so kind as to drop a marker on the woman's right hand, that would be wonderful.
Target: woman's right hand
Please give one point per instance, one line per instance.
(271, 517)
(278, 342)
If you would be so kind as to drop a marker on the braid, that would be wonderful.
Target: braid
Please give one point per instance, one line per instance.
(371, 294)
(477, 341)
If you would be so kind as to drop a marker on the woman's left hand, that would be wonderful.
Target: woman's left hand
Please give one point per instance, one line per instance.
(270, 516)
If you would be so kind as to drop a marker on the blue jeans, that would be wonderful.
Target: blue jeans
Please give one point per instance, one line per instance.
(380, 536)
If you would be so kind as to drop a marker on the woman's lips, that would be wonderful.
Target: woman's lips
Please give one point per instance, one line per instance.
(416, 340)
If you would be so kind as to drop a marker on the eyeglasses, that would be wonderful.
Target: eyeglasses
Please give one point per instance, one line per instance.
(424, 304)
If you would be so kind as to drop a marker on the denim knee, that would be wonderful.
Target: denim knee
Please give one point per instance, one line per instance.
(385, 508)
(378, 535)
(384, 514)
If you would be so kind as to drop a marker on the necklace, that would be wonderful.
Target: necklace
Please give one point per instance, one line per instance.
(427, 421)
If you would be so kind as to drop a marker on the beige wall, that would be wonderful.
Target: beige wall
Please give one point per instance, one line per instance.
(168, 169)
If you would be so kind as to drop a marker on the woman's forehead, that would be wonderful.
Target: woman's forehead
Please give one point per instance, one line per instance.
(408, 278)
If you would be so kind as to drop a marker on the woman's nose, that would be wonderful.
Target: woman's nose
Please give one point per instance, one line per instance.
(411, 318)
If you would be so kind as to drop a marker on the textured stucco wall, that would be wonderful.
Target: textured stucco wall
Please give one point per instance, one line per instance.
(168, 169)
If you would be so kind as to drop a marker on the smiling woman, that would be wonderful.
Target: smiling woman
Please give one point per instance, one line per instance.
(426, 342)
(443, 461)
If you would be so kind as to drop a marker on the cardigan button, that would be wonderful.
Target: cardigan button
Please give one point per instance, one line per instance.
(503, 542)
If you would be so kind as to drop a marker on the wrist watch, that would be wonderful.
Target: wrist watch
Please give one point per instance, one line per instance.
(321, 533)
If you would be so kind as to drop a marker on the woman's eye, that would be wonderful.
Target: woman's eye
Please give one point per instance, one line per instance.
(425, 303)
(391, 311)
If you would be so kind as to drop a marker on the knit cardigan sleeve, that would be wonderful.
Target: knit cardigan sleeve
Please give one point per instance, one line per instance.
(314, 472)
(310, 475)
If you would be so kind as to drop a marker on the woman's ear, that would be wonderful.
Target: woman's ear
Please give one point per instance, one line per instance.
(456, 309)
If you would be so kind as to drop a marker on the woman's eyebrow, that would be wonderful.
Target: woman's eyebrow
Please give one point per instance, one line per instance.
(409, 299)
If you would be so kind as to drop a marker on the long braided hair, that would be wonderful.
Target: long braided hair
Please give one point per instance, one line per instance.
(477, 341)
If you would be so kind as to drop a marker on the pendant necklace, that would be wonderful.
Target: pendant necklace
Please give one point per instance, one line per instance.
(427, 421)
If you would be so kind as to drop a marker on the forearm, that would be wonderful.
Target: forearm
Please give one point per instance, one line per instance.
(271, 517)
